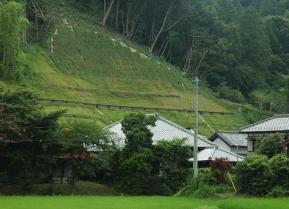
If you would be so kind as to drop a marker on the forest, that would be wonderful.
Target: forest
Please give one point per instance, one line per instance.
(239, 48)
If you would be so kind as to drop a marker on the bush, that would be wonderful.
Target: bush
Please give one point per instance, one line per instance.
(279, 191)
(221, 166)
(270, 145)
(136, 172)
(253, 176)
(203, 186)
(279, 170)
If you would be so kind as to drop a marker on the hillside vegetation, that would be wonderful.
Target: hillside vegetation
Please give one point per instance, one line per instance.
(78, 61)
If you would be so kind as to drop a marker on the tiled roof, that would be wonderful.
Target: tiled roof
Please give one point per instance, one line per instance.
(278, 123)
(164, 130)
(213, 153)
(234, 138)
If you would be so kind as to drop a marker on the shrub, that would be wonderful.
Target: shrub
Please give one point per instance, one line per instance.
(206, 177)
(270, 145)
(279, 170)
(252, 175)
(279, 191)
(135, 173)
(221, 166)
(171, 161)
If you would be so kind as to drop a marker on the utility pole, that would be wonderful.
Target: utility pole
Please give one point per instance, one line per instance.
(196, 82)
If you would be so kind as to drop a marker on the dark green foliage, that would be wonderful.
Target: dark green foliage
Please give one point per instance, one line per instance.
(279, 171)
(279, 191)
(135, 165)
(29, 139)
(144, 168)
(135, 127)
(270, 145)
(171, 158)
(253, 175)
(231, 94)
(79, 188)
(82, 137)
(136, 172)
(259, 176)
(205, 186)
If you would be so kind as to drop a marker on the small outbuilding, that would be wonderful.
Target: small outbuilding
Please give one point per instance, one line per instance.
(209, 154)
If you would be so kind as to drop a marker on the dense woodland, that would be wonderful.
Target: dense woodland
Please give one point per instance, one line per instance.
(239, 48)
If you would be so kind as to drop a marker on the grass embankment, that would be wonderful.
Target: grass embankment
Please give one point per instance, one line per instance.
(79, 188)
(92, 65)
(78, 202)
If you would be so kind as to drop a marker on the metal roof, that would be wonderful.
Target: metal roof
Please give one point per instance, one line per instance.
(233, 139)
(278, 123)
(214, 153)
(163, 130)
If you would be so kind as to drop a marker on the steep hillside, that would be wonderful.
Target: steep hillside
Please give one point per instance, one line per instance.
(86, 70)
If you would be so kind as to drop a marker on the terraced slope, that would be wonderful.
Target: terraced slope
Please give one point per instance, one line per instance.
(82, 64)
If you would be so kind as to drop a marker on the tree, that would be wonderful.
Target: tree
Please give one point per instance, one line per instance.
(171, 158)
(270, 145)
(256, 46)
(12, 25)
(253, 176)
(136, 159)
(87, 139)
(29, 137)
(135, 128)
(106, 10)
(279, 170)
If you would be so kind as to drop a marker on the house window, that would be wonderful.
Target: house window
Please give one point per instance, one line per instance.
(251, 147)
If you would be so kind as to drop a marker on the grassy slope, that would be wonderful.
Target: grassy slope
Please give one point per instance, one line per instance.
(78, 202)
(90, 64)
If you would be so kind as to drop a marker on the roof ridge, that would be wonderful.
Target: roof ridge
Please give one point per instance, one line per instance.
(111, 125)
(184, 129)
(226, 139)
(258, 122)
(214, 149)
(263, 121)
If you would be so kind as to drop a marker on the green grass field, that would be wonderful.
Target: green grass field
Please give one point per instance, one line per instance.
(85, 202)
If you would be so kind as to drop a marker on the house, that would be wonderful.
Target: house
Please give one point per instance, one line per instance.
(163, 130)
(231, 141)
(273, 125)
(213, 153)
(167, 130)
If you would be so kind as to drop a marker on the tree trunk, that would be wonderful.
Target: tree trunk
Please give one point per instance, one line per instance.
(161, 30)
(107, 12)
(117, 15)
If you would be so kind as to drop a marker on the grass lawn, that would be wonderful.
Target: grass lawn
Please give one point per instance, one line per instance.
(86, 202)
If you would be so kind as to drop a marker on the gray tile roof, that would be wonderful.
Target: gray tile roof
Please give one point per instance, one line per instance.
(234, 139)
(278, 123)
(213, 153)
(164, 130)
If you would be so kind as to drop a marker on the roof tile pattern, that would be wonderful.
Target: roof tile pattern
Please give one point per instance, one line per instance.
(164, 130)
(214, 153)
(278, 123)
(234, 138)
